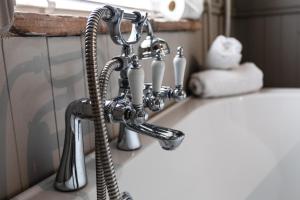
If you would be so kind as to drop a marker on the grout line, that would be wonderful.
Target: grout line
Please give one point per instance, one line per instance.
(297, 54)
(52, 91)
(264, 42)
(12, 116)
(280, 47)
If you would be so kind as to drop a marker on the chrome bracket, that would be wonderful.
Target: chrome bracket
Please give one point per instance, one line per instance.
(114, 26)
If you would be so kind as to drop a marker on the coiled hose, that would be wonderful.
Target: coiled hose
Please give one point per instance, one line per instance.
(105, 173)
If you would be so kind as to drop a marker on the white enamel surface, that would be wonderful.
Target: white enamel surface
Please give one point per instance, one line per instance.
(158, 70)
(239, 148)
(179, 69)
(136, 83)
(235, 149)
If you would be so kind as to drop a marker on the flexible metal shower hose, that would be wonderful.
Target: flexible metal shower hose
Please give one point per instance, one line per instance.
(98, 84)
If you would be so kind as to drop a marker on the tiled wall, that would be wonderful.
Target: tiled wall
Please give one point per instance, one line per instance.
(269, 31)
(39, 77)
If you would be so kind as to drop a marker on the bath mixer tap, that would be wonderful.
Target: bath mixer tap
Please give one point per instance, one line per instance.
(128, 108)
(155, 95)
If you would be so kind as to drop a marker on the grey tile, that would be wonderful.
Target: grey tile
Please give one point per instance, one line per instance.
(288, 50)
(271, 41)
(32, 107)
(10, 178)
(297, 82)
(258, 5)
(256, 48)
(221, 25)
(240, 30)
(68, 81)
(215, 26)
(115, 131)
(205, 31)
(272, 74)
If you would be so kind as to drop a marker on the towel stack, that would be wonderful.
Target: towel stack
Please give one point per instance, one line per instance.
(225, 76)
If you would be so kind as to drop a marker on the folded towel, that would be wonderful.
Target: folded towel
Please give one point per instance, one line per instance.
(224, 53)
(217, 83)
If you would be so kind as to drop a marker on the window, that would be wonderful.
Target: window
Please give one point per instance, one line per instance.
(79, 7)
(138, 4)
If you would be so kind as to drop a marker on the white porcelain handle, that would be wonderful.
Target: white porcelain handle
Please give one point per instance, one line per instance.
(136, 78)
(179, 69)
(158, 70)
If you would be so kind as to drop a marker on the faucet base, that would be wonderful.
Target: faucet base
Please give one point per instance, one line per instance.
(128, 140)
(71, 174)
(69, 187)
(126, 196)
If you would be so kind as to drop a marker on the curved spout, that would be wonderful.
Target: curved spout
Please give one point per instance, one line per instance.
(71, 174)
(168, 138)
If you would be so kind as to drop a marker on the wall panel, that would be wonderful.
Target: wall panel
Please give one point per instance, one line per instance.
(272, 68)
(269, 31)
(288, 52)
(29, 82)
(68, 81)
(10, 177)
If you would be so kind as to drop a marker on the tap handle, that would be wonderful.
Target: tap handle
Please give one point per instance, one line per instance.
(179, 63)
(158, 70)
(136, 84)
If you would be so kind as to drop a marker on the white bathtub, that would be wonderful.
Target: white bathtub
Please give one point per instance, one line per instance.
(236, 148)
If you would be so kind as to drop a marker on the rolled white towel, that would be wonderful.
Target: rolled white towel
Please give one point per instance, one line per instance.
(217, 83)
(224, 53)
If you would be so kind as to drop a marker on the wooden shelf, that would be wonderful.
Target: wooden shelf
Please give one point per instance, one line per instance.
(33, 24)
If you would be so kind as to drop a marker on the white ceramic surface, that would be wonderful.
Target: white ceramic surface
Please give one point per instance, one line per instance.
(236, 148)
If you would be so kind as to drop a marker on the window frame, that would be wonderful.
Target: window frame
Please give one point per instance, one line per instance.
(75, 7)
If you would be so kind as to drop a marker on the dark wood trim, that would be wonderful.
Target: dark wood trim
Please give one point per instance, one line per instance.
(266, 12)
(33, 24)
(254, 8)
(256, 5)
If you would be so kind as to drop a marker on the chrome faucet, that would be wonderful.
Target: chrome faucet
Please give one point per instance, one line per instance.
(128, 108)
(154, 94)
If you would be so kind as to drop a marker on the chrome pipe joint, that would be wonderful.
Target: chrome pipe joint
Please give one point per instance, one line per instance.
(156, 102)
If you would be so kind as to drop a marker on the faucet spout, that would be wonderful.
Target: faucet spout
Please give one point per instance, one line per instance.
(169, 139)
(71, 174)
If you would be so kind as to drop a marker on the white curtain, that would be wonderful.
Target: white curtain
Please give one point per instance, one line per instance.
(6, 14)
